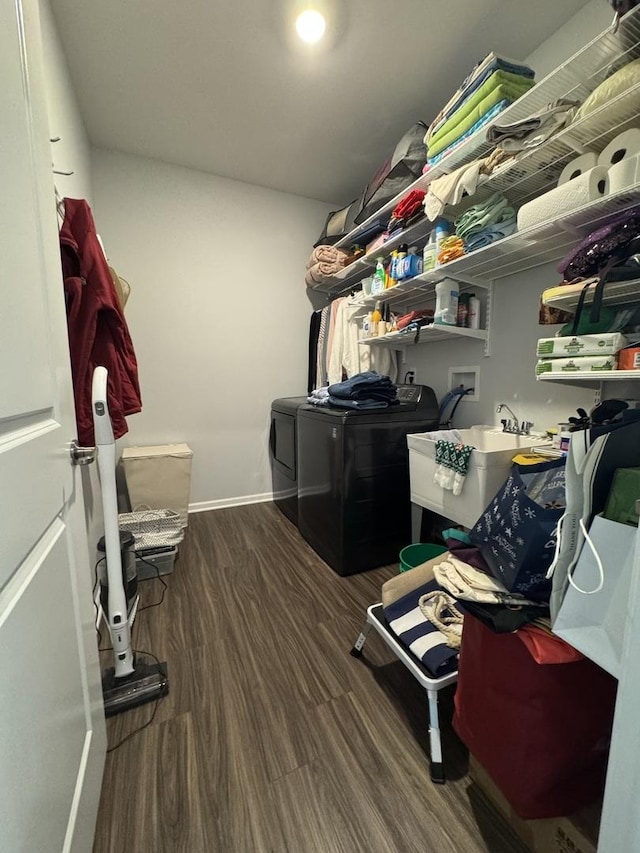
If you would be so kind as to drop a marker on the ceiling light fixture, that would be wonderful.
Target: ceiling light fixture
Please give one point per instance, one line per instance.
(310, 26)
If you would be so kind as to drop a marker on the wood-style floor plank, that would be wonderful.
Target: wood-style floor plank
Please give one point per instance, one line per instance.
(273, 739)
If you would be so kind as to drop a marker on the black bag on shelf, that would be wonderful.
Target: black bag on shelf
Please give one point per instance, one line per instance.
(399, 172)
(338, 224)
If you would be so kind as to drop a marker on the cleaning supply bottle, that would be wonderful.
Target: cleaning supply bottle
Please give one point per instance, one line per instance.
(446, 312)
(377, 285)
(393, 268)
(412, 263)
(440, 231)
(463, 310)
(474, 311)
(376, 319)
(430, 252)
(443, 230)
(400, 258)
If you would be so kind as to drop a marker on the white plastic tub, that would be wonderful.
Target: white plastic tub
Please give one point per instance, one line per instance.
(488, 469)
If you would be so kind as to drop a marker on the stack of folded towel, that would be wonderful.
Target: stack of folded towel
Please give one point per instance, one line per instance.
(492, 86)
(324, 262)
(363, 391)
(486, 222)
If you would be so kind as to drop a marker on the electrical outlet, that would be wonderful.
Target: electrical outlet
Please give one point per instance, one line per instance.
(409, 376)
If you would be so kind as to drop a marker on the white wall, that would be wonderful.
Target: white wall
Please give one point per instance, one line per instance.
(218, 311)
(508, 374)
(72, 152)
(596, 16)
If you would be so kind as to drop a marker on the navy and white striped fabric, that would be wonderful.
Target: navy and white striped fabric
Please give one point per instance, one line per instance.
(420, 636)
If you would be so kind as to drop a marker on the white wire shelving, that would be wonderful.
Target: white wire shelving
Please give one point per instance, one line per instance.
(534, 173)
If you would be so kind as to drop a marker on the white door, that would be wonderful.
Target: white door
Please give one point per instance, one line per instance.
(52, 733)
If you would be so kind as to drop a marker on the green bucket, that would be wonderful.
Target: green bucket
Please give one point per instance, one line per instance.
(414, 555)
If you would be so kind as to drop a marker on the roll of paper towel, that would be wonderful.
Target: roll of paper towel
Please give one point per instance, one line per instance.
(624, 174)
(590, 186)
(578, 166)
(623, 146)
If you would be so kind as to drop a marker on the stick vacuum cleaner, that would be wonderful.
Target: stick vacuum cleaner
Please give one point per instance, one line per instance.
(129, 682)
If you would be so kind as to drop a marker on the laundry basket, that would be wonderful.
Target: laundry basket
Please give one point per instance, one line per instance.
(415, 555)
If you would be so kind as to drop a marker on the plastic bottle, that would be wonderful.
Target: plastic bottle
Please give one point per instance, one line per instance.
(376, 318)
(400, 257)
(377, 285)
(412, 263)
(446, 312)
(463, 310)
(430, 253)
(443, 230)
(439, 232)
(474, 312)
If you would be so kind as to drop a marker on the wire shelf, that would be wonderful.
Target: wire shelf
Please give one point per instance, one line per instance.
(428, 334)
(614, 293)
(537, 171)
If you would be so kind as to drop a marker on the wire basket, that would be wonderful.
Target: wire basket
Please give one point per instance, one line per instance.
(153, 528)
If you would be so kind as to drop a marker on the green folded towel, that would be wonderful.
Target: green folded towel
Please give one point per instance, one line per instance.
(494, 210)
(487, 96)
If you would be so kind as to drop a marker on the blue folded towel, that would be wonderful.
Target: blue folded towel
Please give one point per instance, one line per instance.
(418, 635)
(488, 235)
(369, 385)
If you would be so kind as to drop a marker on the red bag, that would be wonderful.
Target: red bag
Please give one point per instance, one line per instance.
(541, 732)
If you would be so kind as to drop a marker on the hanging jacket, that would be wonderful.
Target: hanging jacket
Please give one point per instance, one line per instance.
(98, 333)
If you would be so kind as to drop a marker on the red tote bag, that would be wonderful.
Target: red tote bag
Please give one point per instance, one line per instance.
(541, 731)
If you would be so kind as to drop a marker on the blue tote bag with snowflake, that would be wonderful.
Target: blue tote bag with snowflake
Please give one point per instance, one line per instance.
(517, 531)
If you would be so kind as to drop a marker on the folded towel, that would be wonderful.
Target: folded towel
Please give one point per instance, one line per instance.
(478, 217)
(419, 635)
(491, 114)
(450, 189)
(327, 255)
(467, 117)
(320, 273)
(452, 463)
(488, 235)
(364, 404)
(535, 129)
(482, 71)
(513, 84)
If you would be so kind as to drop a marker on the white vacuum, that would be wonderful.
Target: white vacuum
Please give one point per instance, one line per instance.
(129, 682)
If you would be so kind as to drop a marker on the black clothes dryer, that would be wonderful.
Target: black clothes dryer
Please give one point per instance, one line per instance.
(354, 504)
(283, 454)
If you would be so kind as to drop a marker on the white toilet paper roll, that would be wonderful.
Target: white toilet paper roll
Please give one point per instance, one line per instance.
(578, 166)
(624, 174)
(624, 145)
(588, 187)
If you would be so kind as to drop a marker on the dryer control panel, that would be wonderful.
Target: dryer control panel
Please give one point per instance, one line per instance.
(417, 397)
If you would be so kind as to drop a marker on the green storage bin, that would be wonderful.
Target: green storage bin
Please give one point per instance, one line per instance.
(415, 555)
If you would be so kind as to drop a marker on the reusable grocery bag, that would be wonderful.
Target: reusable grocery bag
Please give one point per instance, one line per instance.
(516, 532)
(593, 613)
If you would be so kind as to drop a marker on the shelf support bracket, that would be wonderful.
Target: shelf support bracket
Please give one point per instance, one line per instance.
(488, 320)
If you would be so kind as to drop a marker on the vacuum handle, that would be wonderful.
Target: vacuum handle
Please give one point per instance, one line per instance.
(101, 417)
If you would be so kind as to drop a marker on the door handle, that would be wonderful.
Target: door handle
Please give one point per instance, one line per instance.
(81, 455)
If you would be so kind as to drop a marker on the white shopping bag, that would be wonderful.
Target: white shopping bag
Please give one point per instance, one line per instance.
(593, 613)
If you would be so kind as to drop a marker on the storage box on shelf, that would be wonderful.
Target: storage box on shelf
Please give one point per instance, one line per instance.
(566, 298)
(538, 170)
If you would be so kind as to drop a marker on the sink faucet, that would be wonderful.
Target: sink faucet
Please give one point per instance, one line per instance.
(511, 426)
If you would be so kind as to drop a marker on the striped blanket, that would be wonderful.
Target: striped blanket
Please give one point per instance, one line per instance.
(418, 635)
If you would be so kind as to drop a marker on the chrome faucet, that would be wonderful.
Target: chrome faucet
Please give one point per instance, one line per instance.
(511, 426)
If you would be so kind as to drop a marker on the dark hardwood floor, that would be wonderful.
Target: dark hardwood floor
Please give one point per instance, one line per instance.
(272, 737)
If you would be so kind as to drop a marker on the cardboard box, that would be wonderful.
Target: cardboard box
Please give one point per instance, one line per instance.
(580, 364)
(607, 343)
(159, 477)
(575, 834)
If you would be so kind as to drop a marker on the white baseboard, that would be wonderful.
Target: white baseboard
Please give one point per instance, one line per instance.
(225, 503)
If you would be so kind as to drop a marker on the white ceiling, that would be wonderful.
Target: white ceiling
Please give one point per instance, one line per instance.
(218, 85)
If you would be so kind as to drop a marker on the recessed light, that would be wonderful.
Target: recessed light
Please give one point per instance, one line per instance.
(310, 26)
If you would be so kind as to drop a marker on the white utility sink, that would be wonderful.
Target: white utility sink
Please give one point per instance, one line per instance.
(488, 469)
